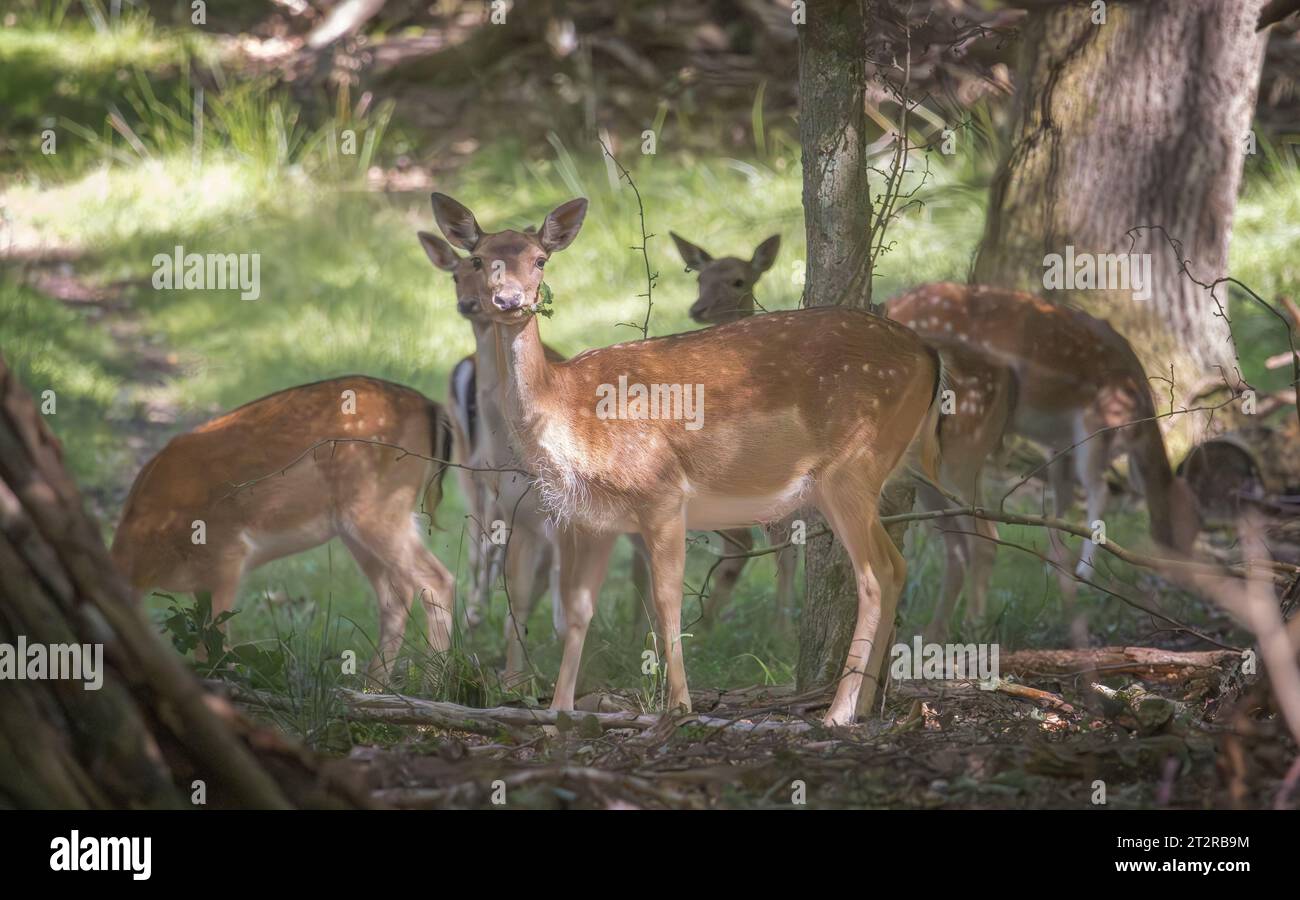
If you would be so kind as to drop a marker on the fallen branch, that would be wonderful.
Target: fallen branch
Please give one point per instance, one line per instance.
(1148, 663)
(399, 709)
(1000, 686)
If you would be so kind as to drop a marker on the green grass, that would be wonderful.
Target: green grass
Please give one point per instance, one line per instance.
(345, 288)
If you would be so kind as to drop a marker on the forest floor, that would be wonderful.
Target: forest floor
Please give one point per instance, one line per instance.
(967, 749)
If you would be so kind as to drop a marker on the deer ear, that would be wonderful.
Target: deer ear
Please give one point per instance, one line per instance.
(438, 251)
(694, 257)
(562, 225)
(765, 255)
(456, 222)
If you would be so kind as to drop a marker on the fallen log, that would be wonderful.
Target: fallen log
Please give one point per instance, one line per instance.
(1148, 663)
(400, 709)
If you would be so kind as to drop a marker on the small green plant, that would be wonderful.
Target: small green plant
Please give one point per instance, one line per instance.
(192, 627)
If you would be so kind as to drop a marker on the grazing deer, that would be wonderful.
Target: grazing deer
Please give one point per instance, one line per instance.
(1074, 375)
(726, 294)
(816, 406)
(268, 480)
(494, 489)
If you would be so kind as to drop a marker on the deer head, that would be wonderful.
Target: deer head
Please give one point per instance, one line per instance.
(505, 269)
(468, 286)
(726, 284)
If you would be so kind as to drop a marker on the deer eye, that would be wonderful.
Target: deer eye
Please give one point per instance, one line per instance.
(541, 262)
(739, 282)
(478, 263)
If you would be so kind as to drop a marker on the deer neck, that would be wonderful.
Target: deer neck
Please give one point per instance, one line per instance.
(527, 383)
(490, 394)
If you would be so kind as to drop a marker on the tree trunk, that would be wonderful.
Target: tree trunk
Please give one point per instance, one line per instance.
(149, 731)
(1142, 120)
(833, 135)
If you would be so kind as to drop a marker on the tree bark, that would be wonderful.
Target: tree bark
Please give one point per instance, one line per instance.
(150, 730)
(1140, 121)
(833, 136)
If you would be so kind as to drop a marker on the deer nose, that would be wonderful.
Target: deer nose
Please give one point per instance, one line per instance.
(508, 301)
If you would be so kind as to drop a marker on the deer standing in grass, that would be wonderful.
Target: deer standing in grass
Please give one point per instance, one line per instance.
(287, 473)
(495, 490)
(1074, 376)
(726, 294)
(984, 392)
(818, 406)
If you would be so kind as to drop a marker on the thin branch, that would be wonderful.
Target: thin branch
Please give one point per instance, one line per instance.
(650, 277)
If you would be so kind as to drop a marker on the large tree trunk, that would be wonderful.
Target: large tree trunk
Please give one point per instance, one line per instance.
(1140, 121)
(836, 200)
(150, 731)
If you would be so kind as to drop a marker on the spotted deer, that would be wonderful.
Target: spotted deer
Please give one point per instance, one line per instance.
(812, 407)
(726, 294)
(967, 436)
(495, 489)
(1074, 380)
(287, 473)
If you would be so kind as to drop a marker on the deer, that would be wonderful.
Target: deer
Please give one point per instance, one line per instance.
(809, 407)
(481, 443)
(1076, 388)
(726, 294)
(490, 480)
(969, 434)
(353, 457)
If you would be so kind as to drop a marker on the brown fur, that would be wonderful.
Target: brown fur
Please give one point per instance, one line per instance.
(364, 494)
(817, 404)
(1075, 375)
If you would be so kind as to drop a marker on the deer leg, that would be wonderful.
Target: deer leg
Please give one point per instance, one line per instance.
(642, 590)
(728, 572)
(394, 610)
(478, 549)
(787, 564)
(850, 508)
(1090, 468)
(522, 556)
(956, 572)
(984, 551)
(584, 558)
(437, 590)
(891, 574)
(1062, 478)
(665, 535)
(224, 590)
(956, 549)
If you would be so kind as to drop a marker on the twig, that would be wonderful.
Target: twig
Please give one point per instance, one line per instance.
(650, 278)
